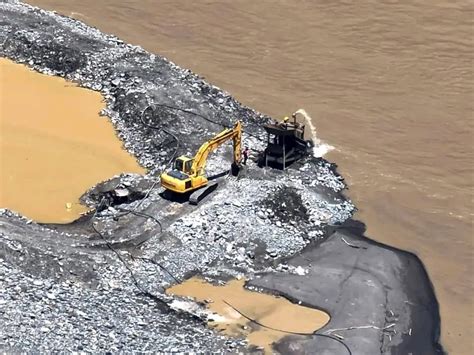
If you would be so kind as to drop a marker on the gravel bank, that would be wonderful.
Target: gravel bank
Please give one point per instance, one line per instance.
(64, 289)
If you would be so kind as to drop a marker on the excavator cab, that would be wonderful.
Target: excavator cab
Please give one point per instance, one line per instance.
(184, 164)
(182, 177)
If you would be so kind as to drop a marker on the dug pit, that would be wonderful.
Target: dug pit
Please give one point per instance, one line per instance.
(53, 145)
(233, 306)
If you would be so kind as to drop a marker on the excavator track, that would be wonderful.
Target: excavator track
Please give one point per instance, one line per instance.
(200, 194)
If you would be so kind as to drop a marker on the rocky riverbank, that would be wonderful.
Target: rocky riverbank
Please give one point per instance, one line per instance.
(98, 284)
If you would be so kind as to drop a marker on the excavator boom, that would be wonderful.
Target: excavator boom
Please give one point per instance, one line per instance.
(235, 134)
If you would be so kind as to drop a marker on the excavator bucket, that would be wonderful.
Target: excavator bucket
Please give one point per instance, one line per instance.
(234, 169)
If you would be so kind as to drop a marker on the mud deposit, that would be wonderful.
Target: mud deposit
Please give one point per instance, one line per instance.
(274, 312)
(285, 232)
(53, 145)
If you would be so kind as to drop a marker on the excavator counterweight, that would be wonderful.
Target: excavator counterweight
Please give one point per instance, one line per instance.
(188, 173)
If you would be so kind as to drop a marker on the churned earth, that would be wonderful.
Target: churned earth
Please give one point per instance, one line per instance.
(99, 283)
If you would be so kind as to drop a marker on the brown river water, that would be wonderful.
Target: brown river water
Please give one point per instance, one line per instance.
(388, 83)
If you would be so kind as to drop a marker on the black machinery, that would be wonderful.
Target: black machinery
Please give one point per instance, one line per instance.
(285, 143)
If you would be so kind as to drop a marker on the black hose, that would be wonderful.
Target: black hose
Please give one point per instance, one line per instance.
(141, 214)
(203, 117)
(122, 260)
(134, 210)
(164, 130)
(171, 107)
(144, 215)
(289, 332)
(176, 140)
(154, 262)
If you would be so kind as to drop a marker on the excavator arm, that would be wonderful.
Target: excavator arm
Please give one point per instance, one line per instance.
(235, 134)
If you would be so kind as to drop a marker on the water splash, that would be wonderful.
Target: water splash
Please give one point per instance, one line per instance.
(320, 148)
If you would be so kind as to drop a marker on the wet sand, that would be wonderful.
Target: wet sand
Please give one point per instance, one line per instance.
(271, 311)
(53, 145)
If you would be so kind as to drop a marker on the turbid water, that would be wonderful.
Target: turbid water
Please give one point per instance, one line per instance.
(389, 85)
(53, 145)
(230, 302)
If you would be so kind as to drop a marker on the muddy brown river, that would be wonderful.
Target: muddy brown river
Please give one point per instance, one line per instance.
(388, 83)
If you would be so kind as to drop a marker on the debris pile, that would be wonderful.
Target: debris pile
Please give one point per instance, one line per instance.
(48, 315)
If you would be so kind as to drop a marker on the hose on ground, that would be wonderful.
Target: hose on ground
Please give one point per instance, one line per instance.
(122, 260)
(134, 210)
(287, 331)
(171, 107)
(176, 139)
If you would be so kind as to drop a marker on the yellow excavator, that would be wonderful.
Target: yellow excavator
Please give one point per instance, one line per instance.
(188, 174)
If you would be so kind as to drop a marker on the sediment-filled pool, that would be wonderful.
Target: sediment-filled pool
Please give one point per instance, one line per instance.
(53, 145)
(232, 303)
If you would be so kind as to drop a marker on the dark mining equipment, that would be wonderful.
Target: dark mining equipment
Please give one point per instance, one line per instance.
(285, 143)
